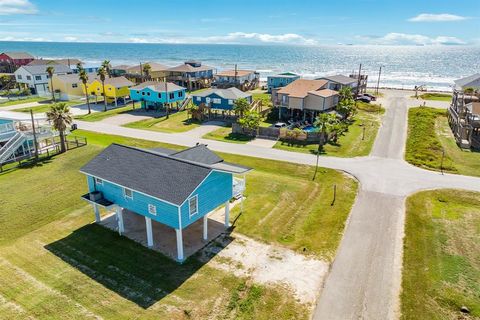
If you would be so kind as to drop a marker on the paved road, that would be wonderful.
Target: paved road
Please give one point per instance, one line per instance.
(364, 281)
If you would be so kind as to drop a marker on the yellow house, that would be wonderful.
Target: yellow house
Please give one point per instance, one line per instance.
(69, 86)
(115, 88)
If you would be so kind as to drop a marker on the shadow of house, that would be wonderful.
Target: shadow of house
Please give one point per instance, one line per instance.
(124, 266)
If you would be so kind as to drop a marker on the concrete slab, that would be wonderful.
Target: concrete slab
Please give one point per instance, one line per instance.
(266, 143)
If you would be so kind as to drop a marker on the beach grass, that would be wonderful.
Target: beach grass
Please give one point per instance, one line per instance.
(435, 96)
(357, 141)
(430, 139)
(54, 262)
(46, 107)
(441, 264)
(177, 122)
(22, 101)
(225, 134)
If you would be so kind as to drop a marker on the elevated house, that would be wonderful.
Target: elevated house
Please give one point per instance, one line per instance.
(340, 81)
(304, 99)
(191, 75)
(223, 99)
(464, 119)
(71, 63)
(167, 187)
(472, 81)
(116, 88)
(17, 135)
(90, 68)
(158, 72)
(36, 77)
(69, 86)
(280, 80)
(155, 95)
(10, 61)
(242, 79)
(120, 70)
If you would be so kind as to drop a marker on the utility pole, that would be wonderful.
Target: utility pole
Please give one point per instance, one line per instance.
(378, 81)
(34, 135)
(236, 75)
(166, 98)
(141, 72)
(358, 81)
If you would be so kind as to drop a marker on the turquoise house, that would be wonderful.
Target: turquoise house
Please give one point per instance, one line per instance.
(280, 80)
(155, 95)
(223, 99)
(174, 188)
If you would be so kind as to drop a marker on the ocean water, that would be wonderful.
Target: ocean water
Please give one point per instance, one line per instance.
(402, 66)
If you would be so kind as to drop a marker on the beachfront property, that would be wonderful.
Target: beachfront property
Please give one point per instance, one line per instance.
(116, 89)
(464, 119)
(191, 75)
(158, 72)
(340, 81)
(120, 70)
(155, 95)
(472, 81)
(90, 68)
(69, 86)
(304, 99)
(10, 61)
(242, 79)
(280, 80)
(223, 99)
(17, 136)
(36, 77)
(67, 62)
(165, 187)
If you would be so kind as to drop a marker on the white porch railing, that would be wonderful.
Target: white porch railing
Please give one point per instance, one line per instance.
(238, 186)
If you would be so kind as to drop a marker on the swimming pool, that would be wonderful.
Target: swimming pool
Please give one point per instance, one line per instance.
(309, 129)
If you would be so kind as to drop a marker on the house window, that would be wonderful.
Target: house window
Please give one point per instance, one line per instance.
(193, 205)
(127, 193)
(99, 181)
(180, 93)
(29, 78)
(74, 85)
(148, 93)
(19, 76)
(38, 77)
(230, 101)
(143, 93)
(216, 100)
(110, 89)
(172, 95)
(152, 209)
(138, 92)
(159, 96)
(199, 98)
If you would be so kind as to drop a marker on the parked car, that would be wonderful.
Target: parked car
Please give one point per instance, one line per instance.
(280, 125)
(371, 96)
(364, 99)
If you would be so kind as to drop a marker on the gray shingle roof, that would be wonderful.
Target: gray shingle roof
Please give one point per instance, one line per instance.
(200, 153)
(19, 55)
(339, 78)
(189, 68)
(157, 86)
(42, 69)
(467, 80)
(230, 93)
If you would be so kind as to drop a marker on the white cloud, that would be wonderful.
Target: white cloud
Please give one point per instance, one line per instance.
(411, 39)
(70, 38)
(234, 38)
(33, 39)
(10, 7)
(442, 17)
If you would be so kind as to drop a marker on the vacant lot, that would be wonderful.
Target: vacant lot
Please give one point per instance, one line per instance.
(225, 134)
(21, 101)
(177, 122)
(441, 263)
(54, 263)
(430, 139)
(98, 116)
(46, 107)
(435, 96)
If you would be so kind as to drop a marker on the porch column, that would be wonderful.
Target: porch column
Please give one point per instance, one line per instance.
(121, 228)
(179, 244)
(148, 224)
(116, 104)
(227, 214)
(97, 213)
(205, 227)
(304, 114)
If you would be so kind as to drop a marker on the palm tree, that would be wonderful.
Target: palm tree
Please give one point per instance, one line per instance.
(82, 75)
(60, 117)
(108, 67)
(146, 70)
(51, 70)
(241, 106)
(102, 73)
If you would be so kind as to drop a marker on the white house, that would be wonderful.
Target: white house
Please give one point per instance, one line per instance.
(36, 77)
(472, 81)
(340, 81)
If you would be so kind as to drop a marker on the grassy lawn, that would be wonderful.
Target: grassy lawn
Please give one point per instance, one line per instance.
(46, 107)
(21, 101)
(352, 143)
(429, 135)
(98, 116)
(225, 134)
(263, 96)
(55, 264)
(177, 122)
(435, 96)
(441, 261)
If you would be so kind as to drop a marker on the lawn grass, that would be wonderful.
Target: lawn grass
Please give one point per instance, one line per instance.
(441, 260)
(435, 96)
(429, 136)
(177, 122)
(55, 264)
(225, 134)
(21, 101)
(98, 116)
(263, 96)
(46, 107)
(353, 143)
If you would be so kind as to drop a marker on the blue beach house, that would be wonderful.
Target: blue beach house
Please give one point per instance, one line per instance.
(280, 80)
(173, 188)
(223, 99)
(154, 95)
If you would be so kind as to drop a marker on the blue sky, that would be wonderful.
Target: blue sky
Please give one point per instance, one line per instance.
(400, 22)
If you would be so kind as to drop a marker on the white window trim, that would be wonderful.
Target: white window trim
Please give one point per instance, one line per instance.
(152, 209)
(199, 99)
(196, 208)
(98, 181)
(230, 101)
(125, 194)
